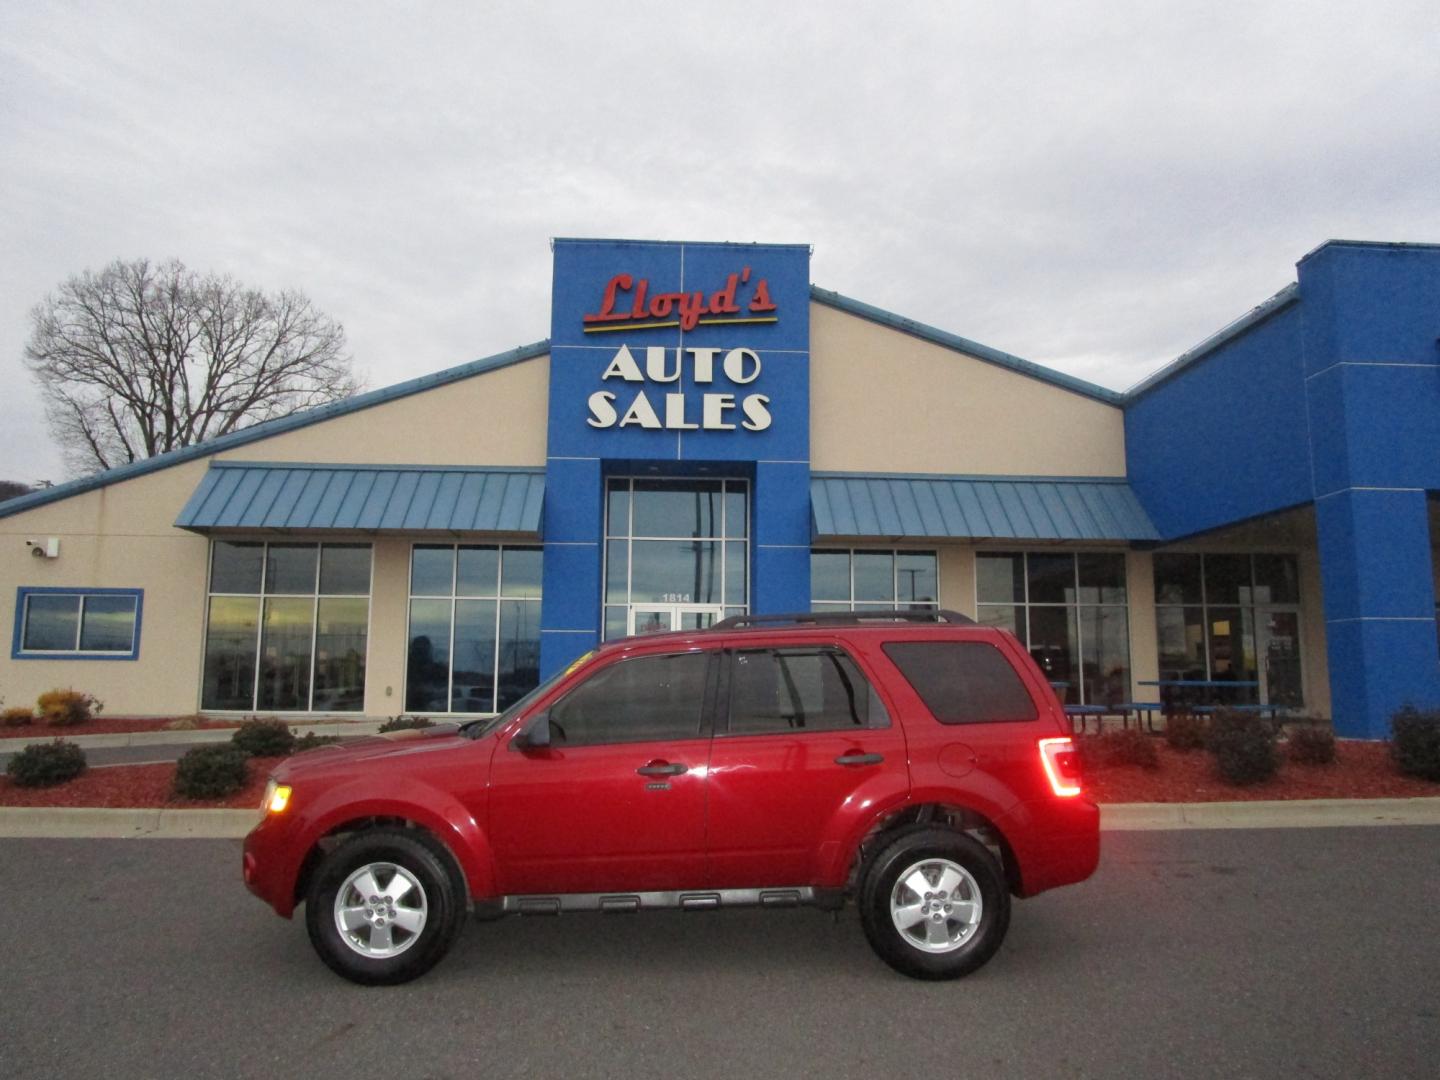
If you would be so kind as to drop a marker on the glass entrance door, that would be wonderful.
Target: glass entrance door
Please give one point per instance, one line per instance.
(658, 618)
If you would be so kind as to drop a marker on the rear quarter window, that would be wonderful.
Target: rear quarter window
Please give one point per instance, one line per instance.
(963, 682)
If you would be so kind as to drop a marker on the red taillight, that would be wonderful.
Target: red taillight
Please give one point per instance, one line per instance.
(1062, 765)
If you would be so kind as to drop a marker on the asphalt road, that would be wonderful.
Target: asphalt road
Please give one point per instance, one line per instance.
(1281, 953)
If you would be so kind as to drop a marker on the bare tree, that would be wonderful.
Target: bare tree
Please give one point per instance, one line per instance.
(140, 359)
(13, 489)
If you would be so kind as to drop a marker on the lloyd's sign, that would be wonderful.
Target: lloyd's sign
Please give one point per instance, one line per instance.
(629, 305)
(680, 351)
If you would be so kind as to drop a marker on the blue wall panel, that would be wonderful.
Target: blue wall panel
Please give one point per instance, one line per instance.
(781, 538)
(1376, 666)
(1372, 303)
(1391, 425)
(1225, 439)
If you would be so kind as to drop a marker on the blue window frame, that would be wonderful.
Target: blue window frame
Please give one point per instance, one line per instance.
(77, 624)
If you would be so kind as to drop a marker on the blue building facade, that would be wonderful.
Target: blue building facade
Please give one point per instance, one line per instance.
(1327, 396)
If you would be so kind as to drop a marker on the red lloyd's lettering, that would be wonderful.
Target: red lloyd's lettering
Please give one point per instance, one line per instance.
(690, 306)
(607, 312)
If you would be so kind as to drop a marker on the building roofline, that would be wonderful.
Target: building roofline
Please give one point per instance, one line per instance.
(274, 427)
(965, 345)
(348, 466)
(1393, 245)
(1287, 296)
(632, 242)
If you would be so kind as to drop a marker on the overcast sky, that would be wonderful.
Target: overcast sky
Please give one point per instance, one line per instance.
(1092, 186)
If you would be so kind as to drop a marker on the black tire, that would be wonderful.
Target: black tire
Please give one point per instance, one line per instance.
(403, 861)
(963, 938)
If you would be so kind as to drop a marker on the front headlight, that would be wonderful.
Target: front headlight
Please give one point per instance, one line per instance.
(277, 797)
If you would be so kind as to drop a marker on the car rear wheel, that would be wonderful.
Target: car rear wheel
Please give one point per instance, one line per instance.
(934, 904)
(384, 906)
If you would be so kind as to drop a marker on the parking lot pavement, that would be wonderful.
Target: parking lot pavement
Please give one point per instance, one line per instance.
(1237, 953)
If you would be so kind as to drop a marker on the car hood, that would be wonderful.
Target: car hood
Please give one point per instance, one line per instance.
(372, 749)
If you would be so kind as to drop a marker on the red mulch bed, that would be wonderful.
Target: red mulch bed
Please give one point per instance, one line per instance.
(131, 786)
(103, 725)
(1362, 770)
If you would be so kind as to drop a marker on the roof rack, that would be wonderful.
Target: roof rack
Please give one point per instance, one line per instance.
(845, 618)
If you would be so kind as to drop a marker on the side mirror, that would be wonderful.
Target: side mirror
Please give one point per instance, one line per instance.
(536, 735)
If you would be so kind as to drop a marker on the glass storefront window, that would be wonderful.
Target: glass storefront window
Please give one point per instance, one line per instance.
(474, 627)
(1000, 578)
(860, 580)
(236, 566)
(1228, 617)
(287, 627)
(1069, 609)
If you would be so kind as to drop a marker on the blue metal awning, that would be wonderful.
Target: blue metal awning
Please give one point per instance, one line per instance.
(978, 507)
(367, 498)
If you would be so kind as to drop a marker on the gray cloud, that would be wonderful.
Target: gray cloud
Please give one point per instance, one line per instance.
(1091, 186)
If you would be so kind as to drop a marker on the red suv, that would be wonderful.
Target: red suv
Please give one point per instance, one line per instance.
(913, 762)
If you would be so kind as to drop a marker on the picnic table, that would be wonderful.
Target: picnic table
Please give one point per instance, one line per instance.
(1142, 711)
(1190, 695)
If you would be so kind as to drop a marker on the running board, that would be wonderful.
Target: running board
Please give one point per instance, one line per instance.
(682, 900)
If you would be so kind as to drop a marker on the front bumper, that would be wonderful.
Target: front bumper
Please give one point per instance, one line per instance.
(270, 863)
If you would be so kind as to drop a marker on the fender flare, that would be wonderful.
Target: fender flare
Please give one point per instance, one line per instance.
(428, 807)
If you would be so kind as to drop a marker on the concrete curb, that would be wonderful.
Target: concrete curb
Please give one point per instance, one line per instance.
(142, 823)
(167, 824)
(1279, 814)
(181, 738)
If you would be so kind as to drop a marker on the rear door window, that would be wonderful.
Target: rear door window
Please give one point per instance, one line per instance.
(798, 690)
(963, 682)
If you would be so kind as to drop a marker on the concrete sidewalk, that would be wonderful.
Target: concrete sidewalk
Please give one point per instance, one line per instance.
(156, 823)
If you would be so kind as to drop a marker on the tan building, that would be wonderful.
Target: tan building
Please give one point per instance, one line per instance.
(703, 434)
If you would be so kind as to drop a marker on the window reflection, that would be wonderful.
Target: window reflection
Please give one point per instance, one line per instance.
(288, 629)
(1069, 609)
(861, 580)
(475, 647)
(1227, 630)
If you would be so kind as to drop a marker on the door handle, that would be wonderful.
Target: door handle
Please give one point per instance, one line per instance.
(661, 768)
(859, 759)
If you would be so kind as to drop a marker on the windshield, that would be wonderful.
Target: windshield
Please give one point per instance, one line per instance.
(476, 728)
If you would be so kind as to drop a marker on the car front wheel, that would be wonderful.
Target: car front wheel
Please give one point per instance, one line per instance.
(384, 906)
(934, 904)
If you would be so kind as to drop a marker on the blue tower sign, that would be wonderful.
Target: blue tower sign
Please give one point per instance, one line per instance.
(677, 359)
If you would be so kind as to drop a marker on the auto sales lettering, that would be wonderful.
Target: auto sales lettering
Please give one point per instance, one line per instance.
(630, 305)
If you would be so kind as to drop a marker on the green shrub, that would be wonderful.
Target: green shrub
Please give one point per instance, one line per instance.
(67, 708)
(310, 741)
(405, 723)
(211, 772)
(1185, 731)
(1244, 748)
(1118, 748)
(46, 763)
(1415, 742)
(264, 738)
(17, 717)
(1310, 742)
